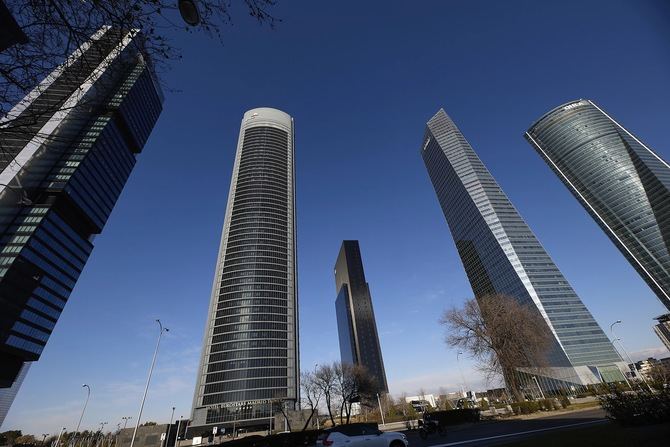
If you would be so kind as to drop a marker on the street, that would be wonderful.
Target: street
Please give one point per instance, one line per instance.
(500, 432)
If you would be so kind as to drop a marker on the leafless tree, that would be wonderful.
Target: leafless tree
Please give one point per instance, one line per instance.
(324, 380)
(353, 383)
(501, 334)
(312, 394)
(56, 29)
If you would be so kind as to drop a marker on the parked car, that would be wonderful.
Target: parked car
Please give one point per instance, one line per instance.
(360, 435)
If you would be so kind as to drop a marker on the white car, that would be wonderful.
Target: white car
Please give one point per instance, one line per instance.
(360, 435)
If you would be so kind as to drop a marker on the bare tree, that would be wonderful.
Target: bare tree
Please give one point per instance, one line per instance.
(353, 383)
(58, 31)
(501, 334)
(312, 394)
(324, 379)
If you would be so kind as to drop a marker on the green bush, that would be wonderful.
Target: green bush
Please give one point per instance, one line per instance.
(637, 408)
(565, 402)
(527, 407)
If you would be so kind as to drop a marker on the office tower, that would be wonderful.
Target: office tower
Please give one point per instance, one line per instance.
(622, 183)
(356, 325)
(249, 364)
(662, 329)
(7, 395)
(67, 151)
(501, 255)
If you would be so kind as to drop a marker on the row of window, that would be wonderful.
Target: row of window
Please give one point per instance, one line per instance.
(248, 336)
(246, 364)
(245, 374)
(245, 384)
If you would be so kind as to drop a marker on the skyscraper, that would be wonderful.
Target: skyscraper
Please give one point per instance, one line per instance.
(249, 364)
(501, 255)
(356, 325)
(67, 151)
(7, 395)
(623, 184)
(662, 329)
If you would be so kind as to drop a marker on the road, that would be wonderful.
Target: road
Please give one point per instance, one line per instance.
(500, 432)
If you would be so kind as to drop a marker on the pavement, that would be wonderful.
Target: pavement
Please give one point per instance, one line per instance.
(489, 433)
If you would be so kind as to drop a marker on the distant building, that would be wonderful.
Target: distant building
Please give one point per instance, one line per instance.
(421, 400)
(62, 170)
(662, 329)
(501, 255)
(622, 183)
(356, 325)
(645, 367)
(249, 365)
(7, 395)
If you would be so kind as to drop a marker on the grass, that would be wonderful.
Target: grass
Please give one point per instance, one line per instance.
(606, 435)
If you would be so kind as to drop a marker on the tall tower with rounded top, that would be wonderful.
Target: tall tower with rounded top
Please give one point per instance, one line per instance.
(249, 363)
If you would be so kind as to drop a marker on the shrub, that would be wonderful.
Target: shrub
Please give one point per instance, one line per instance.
(565, 402)
(527, 407)
(637, 408)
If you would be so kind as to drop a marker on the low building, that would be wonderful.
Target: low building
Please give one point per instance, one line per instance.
(427, 398)
(161, 435)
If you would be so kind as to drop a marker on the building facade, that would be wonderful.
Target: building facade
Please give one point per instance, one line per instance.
(623, 184)
(249, 363)
(7, 395)
(356, 324)
(662, 329)
(67, 151)
(501, 255)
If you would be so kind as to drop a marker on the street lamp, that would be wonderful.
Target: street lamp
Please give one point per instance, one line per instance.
(59, 436)
(125, 420)
(167, 441)
(189, 11)
(146, 388)
(44, 437)
(88, 394)
(380, 409)
(461, 371)
(176, 437)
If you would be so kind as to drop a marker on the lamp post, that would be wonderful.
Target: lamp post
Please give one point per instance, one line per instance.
(538, 386)
(146, 388)
(167, 440)
(125, 421)
(88, 394)
(44, 437)
(626, 353)
(59, 436)
(176, 437)
(461, 371)
(380, 409)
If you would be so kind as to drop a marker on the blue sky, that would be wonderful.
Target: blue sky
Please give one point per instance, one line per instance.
(361, 79)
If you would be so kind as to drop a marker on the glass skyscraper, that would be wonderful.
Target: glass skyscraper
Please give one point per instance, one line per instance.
(622, 183)
(501, 255)
(249, 363)
(356, 325)
(67, 151)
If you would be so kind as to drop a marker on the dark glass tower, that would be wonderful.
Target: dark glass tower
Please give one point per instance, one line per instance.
(622, 183)
(67, 151)
(501, 255)
(356, 325)
(249, 364)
